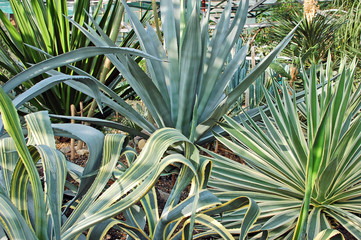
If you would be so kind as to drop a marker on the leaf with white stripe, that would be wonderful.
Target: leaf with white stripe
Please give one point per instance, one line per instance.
(8, 160)
(12, 222)
(12, 126)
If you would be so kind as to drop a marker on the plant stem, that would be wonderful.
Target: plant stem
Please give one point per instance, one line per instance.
(156, 19)
(107, 63)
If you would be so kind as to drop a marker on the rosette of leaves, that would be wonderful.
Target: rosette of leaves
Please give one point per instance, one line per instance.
(186, 90)
(302, 160)
(32, 203)
(313, 38)
(148, 220)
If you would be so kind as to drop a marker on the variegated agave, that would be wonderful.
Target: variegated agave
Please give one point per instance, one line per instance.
(186, 90)
(174, 220)
(31, 206)
(303, 157)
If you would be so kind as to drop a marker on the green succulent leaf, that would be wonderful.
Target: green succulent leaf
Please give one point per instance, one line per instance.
(12, 221)
(296, 165)
(329, 234)
(12, 126)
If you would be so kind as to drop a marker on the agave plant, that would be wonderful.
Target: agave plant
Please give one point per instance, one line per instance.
(32, 205)
(304, 156)
(42, 31)
(175, 220)
(186, 90)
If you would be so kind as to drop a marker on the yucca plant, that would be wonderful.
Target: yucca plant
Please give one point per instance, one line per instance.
(303, 156)
(313, 38)
(32, 204)
(42, 31)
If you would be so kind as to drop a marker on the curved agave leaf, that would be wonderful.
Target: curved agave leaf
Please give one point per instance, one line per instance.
(54, 164)
(119, 105)
(184, 178)
(100, 230)
(217, 229)
(183, 210)
(113, 145)
(112, 148)
(149, 201)
(174, 213)
(19, 188)
(106, 123)
(55, 169)
(140, 82)
(12, 221)
(50, 82)
(9, 158)
(135, 216)
(66, 58)
(205, 220)
(39, 129)
(94, 139)
(329, 234)
(135, 220)
(55, 172)
(12, 126)
(150, 206)
(250, 217)
(145, 169)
